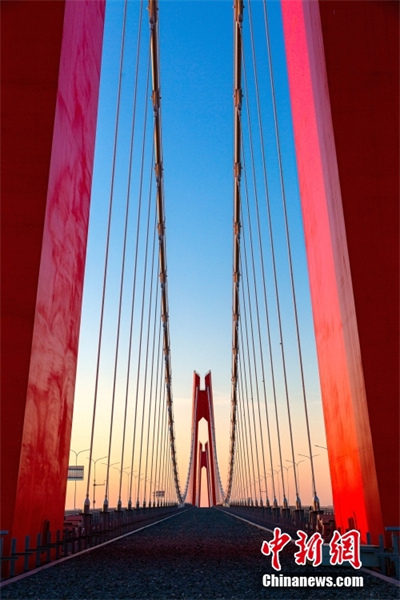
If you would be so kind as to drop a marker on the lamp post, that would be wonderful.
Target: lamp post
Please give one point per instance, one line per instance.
(265, 491)
(76, 464)
(127, 486)
(144, 478)
(296, 464)
(107, 491)
(272, 471)
(287, 479)
(315, 497)
(130, 489)
(94, 479)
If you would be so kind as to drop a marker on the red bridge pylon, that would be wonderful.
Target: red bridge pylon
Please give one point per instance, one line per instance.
(202, 407)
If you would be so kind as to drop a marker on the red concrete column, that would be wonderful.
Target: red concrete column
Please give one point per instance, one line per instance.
(343, 74)
(51, 53)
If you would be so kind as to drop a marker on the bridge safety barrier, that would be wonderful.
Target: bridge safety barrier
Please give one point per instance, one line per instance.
(81, 531)
(378, 557)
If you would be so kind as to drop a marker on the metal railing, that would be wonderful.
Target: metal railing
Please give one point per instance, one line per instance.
(81, 531)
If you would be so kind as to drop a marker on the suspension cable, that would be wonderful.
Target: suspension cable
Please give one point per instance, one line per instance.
(161, 400)
(250, 312)
(246, 328)
(246, 418)
(238, 17)
(136, 252)
(153, 17)
(144, 281)
(258, 325)
(110, 210)
(155, 321)
(122, 282)
(278, 145)
(242, 446)
(273, 257)
(147, 342)
(157, 401)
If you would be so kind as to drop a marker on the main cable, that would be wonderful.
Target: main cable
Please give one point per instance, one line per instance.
(238, 18)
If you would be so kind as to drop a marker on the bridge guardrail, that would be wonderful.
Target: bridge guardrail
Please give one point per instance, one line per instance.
(81, 531)
(386, 559)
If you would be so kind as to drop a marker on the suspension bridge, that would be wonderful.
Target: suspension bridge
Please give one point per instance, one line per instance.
(97, 343)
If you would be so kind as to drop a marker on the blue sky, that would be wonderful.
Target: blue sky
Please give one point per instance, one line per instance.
(196, 49)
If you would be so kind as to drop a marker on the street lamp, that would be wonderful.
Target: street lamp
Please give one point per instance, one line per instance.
(144, 478)
(107, 492)
(119, 506)
(309, 457)
(287, 479)
(130, 489)
(76, 464)
(315, 498)
(298, 501)
(317, 446)
(94, 479)
(279, 487)
(264, 491)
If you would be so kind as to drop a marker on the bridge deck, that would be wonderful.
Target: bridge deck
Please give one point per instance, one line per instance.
(200, 553)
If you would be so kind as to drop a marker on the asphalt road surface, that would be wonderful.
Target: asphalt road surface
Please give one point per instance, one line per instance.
(200, 553)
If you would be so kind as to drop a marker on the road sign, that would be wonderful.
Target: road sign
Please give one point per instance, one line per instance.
(75, 473)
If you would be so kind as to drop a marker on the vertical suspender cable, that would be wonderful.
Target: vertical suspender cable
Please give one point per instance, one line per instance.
(315, 498)
(244, 272)
(245, 402)
(148, 335)
(156, 395)
(160, 404)
(144, 282)
(153, 17)
(272, 245)
(87, 501)
(266, 306)
(137, 242)
(122, 281)
(164, 444)
(253, 344)
(242, 446)
(259, 326)
(155, 321)
(244, 472)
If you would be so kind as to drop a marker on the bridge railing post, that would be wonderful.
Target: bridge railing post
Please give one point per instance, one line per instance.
(286, 514)
(276, 514)
(87, 523)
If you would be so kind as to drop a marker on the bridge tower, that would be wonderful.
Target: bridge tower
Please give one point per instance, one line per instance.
(202, 407)
(51, 55)
(343, 66)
